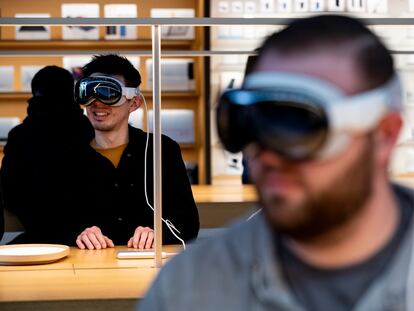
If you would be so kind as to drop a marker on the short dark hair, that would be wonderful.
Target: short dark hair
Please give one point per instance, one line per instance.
(370, 54)
(113, 64)
(53, 81)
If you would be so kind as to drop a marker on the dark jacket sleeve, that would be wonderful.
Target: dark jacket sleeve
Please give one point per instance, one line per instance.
(10, 185)
(10, 170)
(178, 202)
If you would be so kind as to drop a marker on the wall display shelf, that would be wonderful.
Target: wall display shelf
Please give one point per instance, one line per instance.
(21, 54)
(391, 20)
(147, 94)
(128, 45)
(225, 37)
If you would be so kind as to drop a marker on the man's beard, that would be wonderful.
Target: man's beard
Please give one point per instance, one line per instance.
(326, 210)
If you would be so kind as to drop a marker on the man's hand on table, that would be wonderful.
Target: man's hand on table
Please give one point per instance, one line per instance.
(92, 238)
(143, 238)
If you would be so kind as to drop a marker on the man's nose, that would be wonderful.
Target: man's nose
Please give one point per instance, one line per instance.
(97, 104)
(269, 157)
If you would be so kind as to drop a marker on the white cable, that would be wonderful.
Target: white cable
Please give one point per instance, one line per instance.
(254, 214)
(167, 222)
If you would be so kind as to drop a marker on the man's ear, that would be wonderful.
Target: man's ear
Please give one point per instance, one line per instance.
(386, 135)
(136, 102)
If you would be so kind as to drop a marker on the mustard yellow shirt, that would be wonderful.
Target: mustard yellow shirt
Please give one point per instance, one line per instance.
(113, 154)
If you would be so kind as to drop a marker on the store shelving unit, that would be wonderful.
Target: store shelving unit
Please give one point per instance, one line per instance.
(19, 53)
(395, 27)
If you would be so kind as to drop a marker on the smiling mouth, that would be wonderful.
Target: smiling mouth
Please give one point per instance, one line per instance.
(100, 114)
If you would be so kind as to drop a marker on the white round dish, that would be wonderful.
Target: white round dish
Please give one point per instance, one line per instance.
(30, 254)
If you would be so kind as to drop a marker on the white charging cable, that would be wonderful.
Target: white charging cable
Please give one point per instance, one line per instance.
(254, 214)
(167, 222)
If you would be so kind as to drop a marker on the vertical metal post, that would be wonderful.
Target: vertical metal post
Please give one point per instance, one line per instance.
(156, 90)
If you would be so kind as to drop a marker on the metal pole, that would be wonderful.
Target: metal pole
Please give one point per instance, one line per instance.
(156, 90)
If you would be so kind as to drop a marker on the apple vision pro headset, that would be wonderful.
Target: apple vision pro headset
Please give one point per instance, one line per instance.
(111, 92)
(298, 116)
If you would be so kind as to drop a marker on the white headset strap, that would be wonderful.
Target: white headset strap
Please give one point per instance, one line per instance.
(130, 92)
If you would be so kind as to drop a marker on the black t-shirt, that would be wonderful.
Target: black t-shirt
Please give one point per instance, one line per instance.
(339, 289)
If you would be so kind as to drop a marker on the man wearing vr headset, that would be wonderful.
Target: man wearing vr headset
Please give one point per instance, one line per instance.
(109, 91)
(318, 117)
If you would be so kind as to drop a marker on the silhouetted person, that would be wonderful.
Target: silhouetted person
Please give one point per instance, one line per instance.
(43, 174)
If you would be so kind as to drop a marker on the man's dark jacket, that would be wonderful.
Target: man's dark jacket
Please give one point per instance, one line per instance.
(122, 205)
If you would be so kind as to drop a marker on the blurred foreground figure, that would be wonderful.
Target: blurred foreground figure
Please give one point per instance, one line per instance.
(318, 118)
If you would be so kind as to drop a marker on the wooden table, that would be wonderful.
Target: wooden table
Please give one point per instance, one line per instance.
(224, 193)
(85, 280)
(219, 205)
(406, 180)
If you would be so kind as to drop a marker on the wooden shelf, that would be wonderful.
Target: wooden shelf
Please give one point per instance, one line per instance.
(188, 146)
(173, 94)
(148, 94)
(139, 44)
(14, 96)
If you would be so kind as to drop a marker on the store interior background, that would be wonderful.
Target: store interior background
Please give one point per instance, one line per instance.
(189, 102)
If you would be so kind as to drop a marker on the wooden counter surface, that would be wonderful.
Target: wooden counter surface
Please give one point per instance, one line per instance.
(224, 193)
(83, 275)
(234, 193)
(406, 180)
